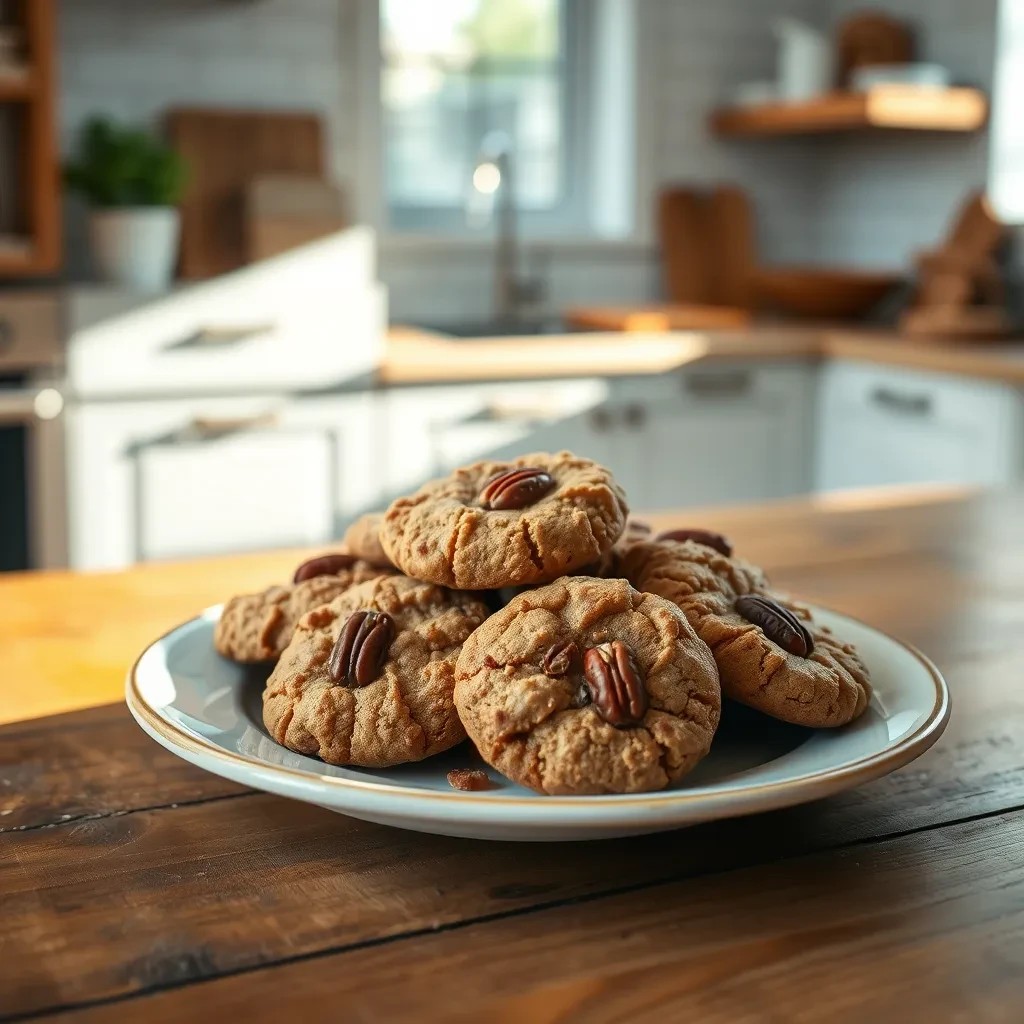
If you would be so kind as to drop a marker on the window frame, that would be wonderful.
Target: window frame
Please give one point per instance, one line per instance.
(569, 217)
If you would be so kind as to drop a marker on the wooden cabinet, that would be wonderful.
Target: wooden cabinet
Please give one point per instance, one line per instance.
(29, 172)
(880, 425)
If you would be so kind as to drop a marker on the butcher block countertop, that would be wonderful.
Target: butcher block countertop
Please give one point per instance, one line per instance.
(420, 357)
(136, 887)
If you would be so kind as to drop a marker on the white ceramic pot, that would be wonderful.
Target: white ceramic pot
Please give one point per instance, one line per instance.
(805, 60)
(136, 247)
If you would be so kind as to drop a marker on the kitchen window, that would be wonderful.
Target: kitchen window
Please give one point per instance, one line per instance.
(462, 79)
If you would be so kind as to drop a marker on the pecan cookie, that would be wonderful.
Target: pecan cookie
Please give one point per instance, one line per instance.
(367, 680)
(587, 686)
(362, 538)
(497, 524)
(258, 627)
(770, 653)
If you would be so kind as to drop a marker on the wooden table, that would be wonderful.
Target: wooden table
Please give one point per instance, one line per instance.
(135, 887)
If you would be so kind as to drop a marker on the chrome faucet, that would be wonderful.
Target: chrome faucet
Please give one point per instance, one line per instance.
(494, 180)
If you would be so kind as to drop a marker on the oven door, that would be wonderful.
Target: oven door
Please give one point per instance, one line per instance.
(32, 508)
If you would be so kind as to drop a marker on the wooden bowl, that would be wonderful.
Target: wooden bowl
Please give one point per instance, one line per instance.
(821, 293)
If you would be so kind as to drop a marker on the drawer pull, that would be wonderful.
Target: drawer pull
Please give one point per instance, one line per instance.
(209, 428)
(221, 337)
(902, 403)
(728, 384)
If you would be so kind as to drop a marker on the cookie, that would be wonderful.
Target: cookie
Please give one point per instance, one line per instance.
(362, 539)
(258, 627)
(498, 524)
(588, 686)
(770, 653)
(367, 680)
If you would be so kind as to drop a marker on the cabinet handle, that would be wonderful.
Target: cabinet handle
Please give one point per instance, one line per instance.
(209, 428)
(900, 402)
(636, 416)
(220, 337)
(6, 336)
(600, 419)
(727, 384)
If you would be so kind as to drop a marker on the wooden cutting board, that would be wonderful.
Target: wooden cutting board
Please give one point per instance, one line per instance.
(707, 245)
(682, 236)
(224, 151)
(283, 211)
(732, 247)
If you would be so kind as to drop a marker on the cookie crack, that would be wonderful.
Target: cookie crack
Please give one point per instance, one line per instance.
(531, 544)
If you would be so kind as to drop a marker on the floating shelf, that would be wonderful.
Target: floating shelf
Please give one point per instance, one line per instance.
(890, 107)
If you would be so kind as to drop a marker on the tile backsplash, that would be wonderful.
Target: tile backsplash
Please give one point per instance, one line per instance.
(861, 200)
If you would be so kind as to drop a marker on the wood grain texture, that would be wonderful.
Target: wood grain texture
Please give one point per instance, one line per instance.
(413, 358)
(134, 896)
(903, 108)
(924, 927)
(91, 764)
(224, 150)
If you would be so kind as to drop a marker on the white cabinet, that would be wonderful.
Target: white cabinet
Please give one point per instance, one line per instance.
(884, 425)
(429, 431)
(712, 434)
(180, 478)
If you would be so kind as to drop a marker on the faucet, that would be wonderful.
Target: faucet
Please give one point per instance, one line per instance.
(493, 179)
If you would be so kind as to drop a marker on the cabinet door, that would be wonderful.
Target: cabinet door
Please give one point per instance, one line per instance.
(191, 477)
(893, 426)
(715, 435)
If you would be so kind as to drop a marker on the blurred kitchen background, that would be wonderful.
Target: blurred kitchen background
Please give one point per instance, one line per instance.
(266, 264)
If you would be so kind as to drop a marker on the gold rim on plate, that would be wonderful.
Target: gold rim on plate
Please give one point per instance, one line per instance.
(811, 786)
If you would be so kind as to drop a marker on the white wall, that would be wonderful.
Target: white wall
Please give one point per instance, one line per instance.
(883, 197)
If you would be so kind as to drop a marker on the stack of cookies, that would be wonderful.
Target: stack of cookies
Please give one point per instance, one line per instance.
(513, 603)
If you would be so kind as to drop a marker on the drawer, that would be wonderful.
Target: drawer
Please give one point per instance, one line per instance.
(308, 318)
(30, 332)
(177, 478)
(905, 395)
(208, 493)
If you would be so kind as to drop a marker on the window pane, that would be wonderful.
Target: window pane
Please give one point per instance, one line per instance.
(456, 70)
(464, 32)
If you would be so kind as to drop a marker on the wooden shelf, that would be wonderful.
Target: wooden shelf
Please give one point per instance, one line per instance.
(893, 108)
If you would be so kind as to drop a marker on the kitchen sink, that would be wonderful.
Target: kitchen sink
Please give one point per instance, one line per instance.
(496, 328)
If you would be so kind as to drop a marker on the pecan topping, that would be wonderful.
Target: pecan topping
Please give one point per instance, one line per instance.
(468, 779)
(516, 488)
(560, 659)
(779, 624)
(361, 648)
(615, 684)
(323, 565)
(708, 538)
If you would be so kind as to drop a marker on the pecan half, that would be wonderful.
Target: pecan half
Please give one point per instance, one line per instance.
(361, 648)
(708, 538)
(323, 565)
(516, 488)
(779, 624)
(615, 684)
(560, 659)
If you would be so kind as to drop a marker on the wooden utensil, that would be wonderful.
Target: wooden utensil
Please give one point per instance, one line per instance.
(658, 317)
(224, 151)
(283, 211)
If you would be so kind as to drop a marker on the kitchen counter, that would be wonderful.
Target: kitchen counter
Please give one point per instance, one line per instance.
(134, 884)
(413, 357)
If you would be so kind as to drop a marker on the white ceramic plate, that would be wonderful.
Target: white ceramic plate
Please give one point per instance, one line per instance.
(207, 710)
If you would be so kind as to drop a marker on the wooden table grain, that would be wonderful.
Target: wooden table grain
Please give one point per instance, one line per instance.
(136, 887)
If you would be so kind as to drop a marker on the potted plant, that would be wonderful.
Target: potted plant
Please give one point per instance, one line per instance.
(132, 181)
